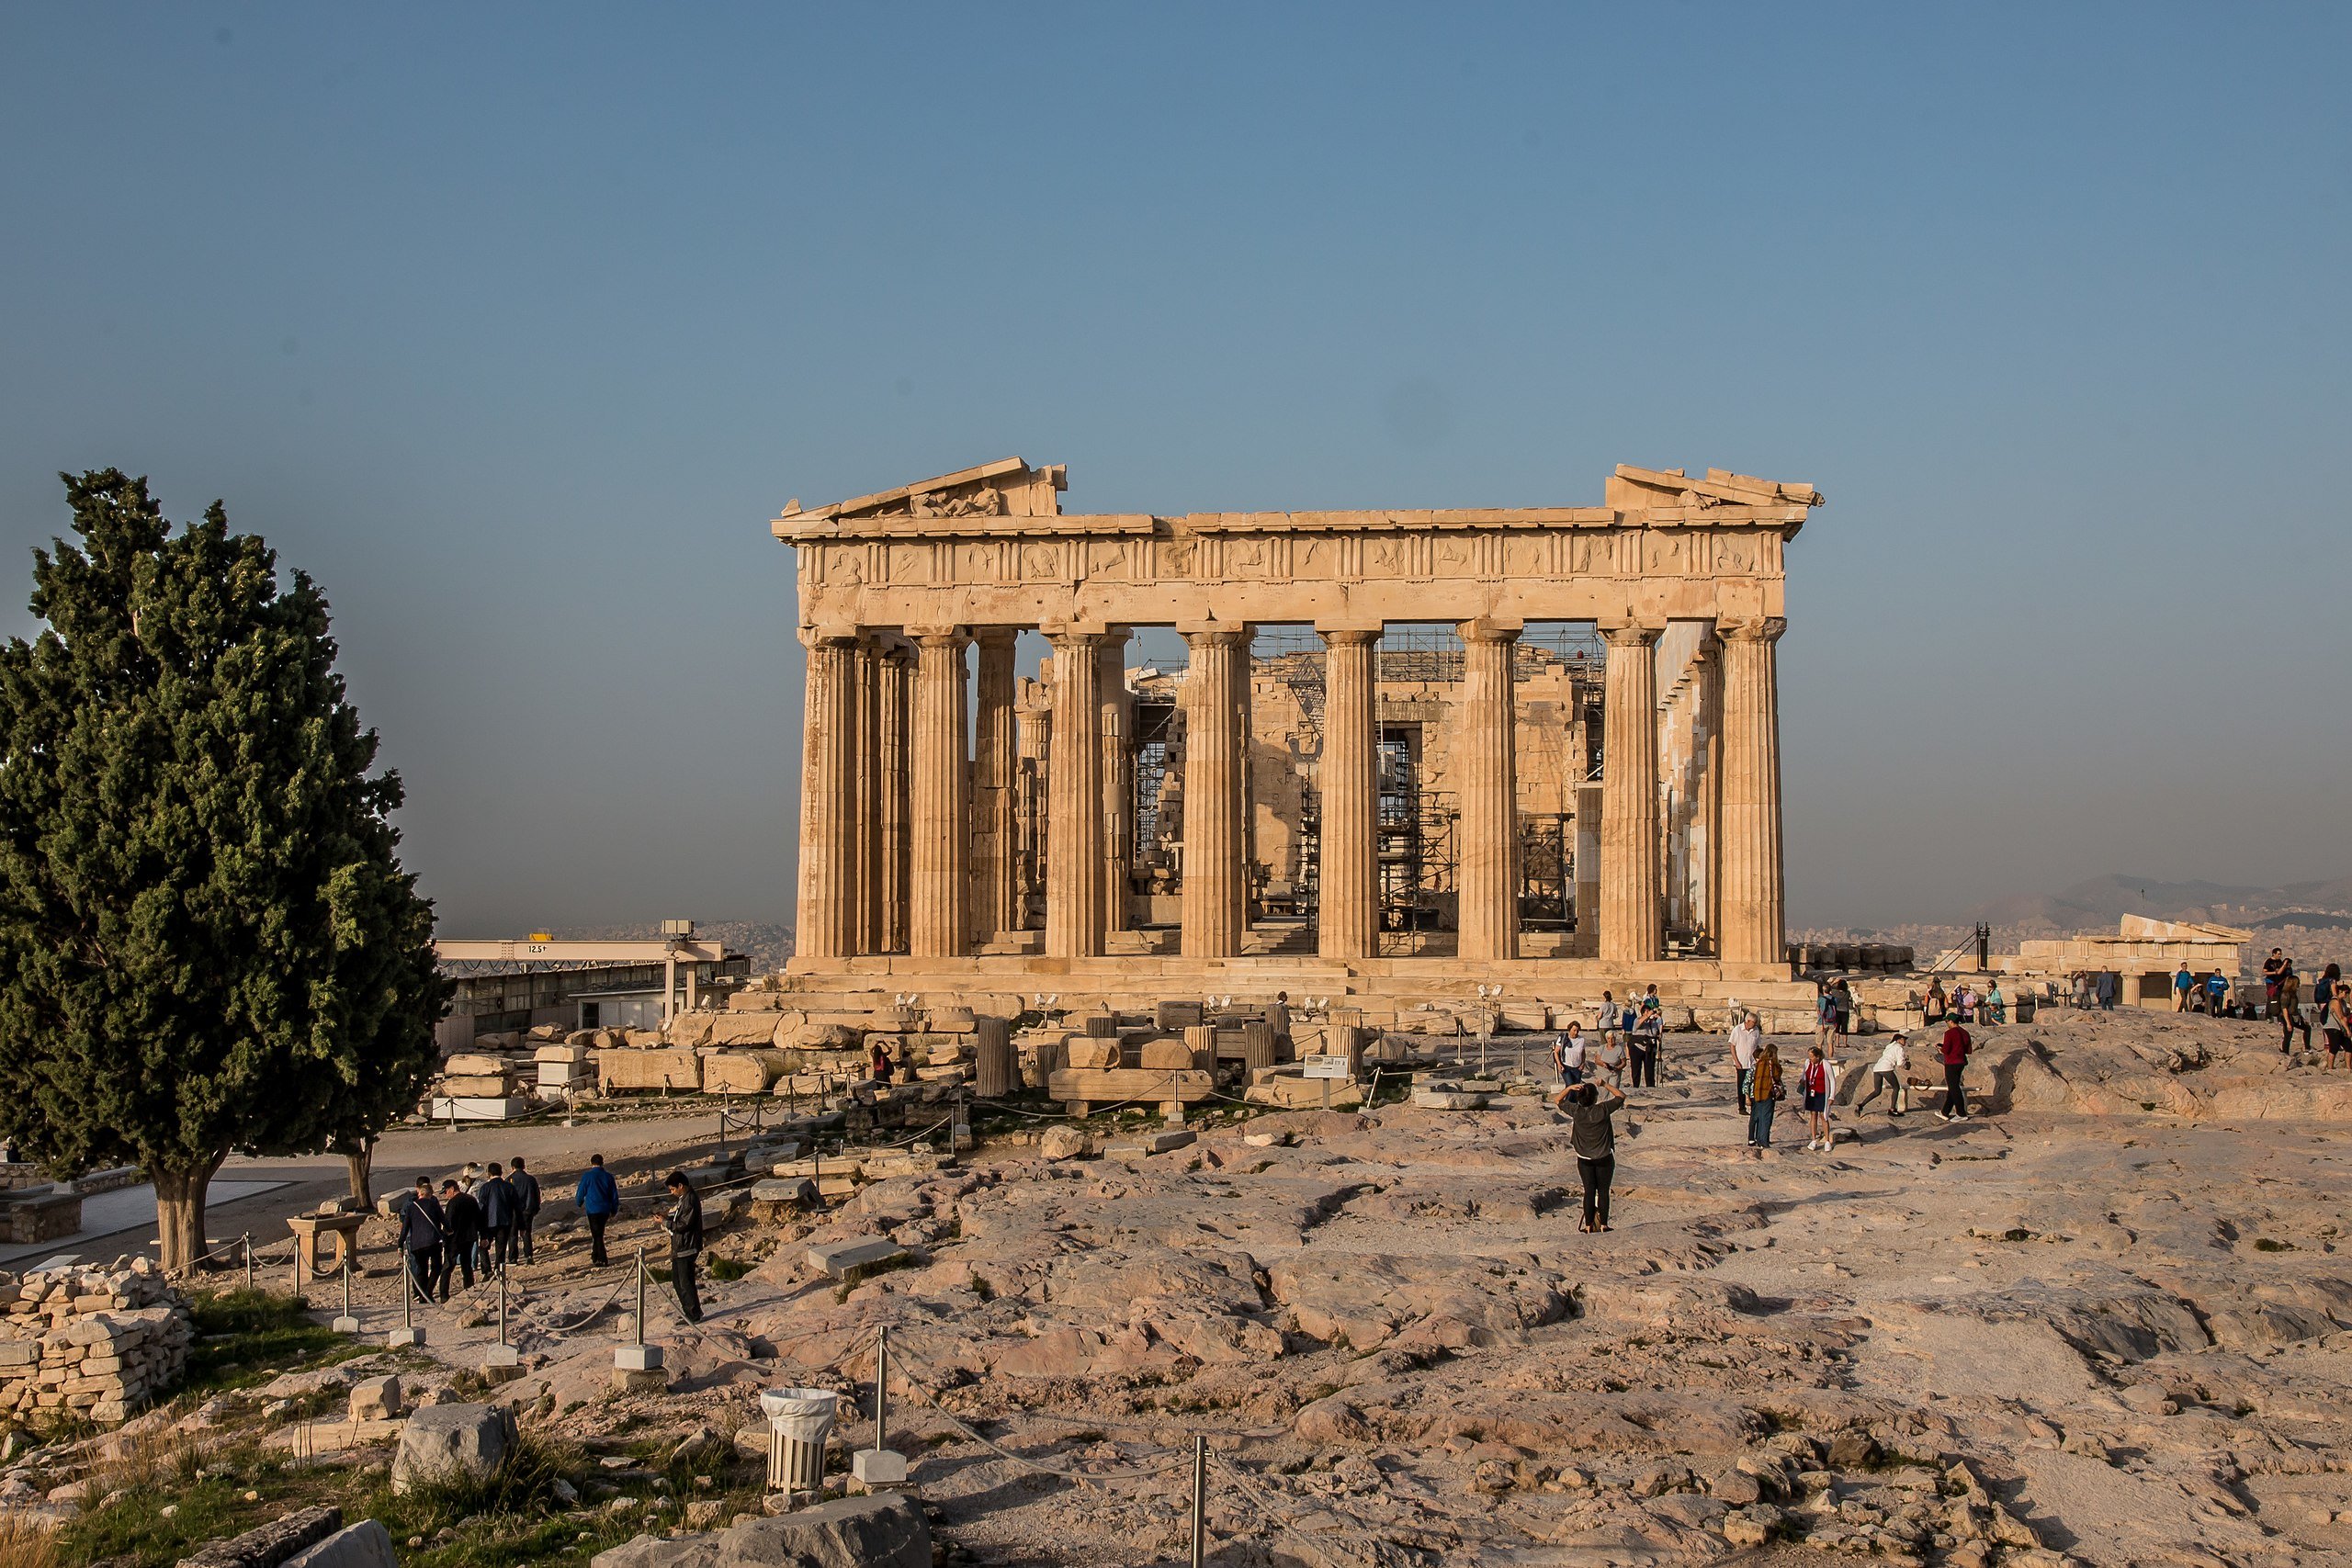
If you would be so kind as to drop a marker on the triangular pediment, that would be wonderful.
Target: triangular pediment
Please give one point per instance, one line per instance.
(1007, 487)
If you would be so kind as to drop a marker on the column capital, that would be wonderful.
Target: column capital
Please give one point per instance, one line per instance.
(1200, 633)
(1354, 633)
(1751, 628)
(939, 636)
(831, 635)
(1629, 634)
(995, 636)
(1487, 629)
(1075, 639)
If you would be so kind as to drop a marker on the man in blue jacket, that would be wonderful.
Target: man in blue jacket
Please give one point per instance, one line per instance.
(600, 1199)
(421, 1234)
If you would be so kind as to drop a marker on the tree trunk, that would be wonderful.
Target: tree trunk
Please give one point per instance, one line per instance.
(179, 1213)
(362, 1161)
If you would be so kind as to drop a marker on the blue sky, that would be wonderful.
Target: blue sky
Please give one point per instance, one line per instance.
(513, 326)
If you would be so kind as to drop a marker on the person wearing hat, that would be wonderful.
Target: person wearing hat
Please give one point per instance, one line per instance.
(1887, 1074)
(683, 1222)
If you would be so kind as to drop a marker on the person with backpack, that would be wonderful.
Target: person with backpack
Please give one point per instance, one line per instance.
(683, 1222)
(599, 1199)
(527, 1204)
(421, 1234)
(1746, 1038)
(459, 1235)
(1763, 1097)
(1956, 1047)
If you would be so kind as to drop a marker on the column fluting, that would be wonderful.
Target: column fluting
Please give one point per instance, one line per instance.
(1752, 919)
(996, 838)
(1348, 777)
(825, 923)
(1074, 782)
(938, 924)
(1487, 881)
(1215, 885)
(1630, 905)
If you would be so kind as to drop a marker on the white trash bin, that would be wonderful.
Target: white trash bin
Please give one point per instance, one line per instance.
(800, 1419)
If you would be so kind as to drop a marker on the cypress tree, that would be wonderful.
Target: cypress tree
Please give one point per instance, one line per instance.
(208, 944)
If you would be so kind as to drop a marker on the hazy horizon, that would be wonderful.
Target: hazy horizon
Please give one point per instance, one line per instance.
(514, 328)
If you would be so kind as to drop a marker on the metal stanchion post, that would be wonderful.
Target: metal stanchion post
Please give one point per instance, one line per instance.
(1200, 1500)
(502, 1360)
(249, 1261)
(501, 1306)
(347, 1324)
(641, 1295)
(882, 1387)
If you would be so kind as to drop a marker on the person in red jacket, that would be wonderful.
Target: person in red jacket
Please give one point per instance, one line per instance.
(1956, 1048)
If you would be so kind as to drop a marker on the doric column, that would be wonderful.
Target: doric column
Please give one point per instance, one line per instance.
(1074, 832)
(825, 926)
(1630, 913)
(1488, 882)
(938, 924)
(1751, 922)
(1709, 872)
(996, 766)
(897, 704)
(865, 820)
(1217, 704)
(1348, 903)
(1117, 726)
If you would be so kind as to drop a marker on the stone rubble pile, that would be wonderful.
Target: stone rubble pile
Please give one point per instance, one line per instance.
(100, 1343)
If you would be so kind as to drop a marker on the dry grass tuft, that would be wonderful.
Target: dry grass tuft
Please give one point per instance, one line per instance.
(26, 1541)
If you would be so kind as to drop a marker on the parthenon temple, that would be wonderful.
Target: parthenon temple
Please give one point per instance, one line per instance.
(1395, 753)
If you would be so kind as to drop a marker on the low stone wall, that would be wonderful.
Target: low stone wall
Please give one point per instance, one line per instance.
(103, 1343)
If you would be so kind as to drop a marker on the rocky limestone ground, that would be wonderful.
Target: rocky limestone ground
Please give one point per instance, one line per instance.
(2106, 1322)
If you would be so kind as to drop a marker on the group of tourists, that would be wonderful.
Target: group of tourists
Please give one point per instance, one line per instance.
(1965, 1004)
(481, 1219)
(2329, 1006)
(1631, 1037)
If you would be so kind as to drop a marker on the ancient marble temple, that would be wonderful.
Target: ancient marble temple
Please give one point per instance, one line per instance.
(959, 818)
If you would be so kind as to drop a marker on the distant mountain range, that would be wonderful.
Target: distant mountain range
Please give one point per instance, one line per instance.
(2100, 902)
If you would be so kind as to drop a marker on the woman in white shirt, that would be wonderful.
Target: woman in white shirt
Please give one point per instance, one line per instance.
(1887, 1075)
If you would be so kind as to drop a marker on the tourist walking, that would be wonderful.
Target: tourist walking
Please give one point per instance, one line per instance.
(1956, 1047)
(2291, 1016)
(1568, 1060)
(2183, 983)
(1764, 1092)
(527, 1204)
(1813, 1084)
(2107, 986)
(1649, 1039)
(599, 1200)
(460, 1233)
(1278, 1020)
(1608, 1061)
(1593, 1135)
(1745, 1040)
(1886, 1073)
(496, 1196)
(1607, 1021)
(421, 1227)
(683, 1222)
(1825, 1014)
